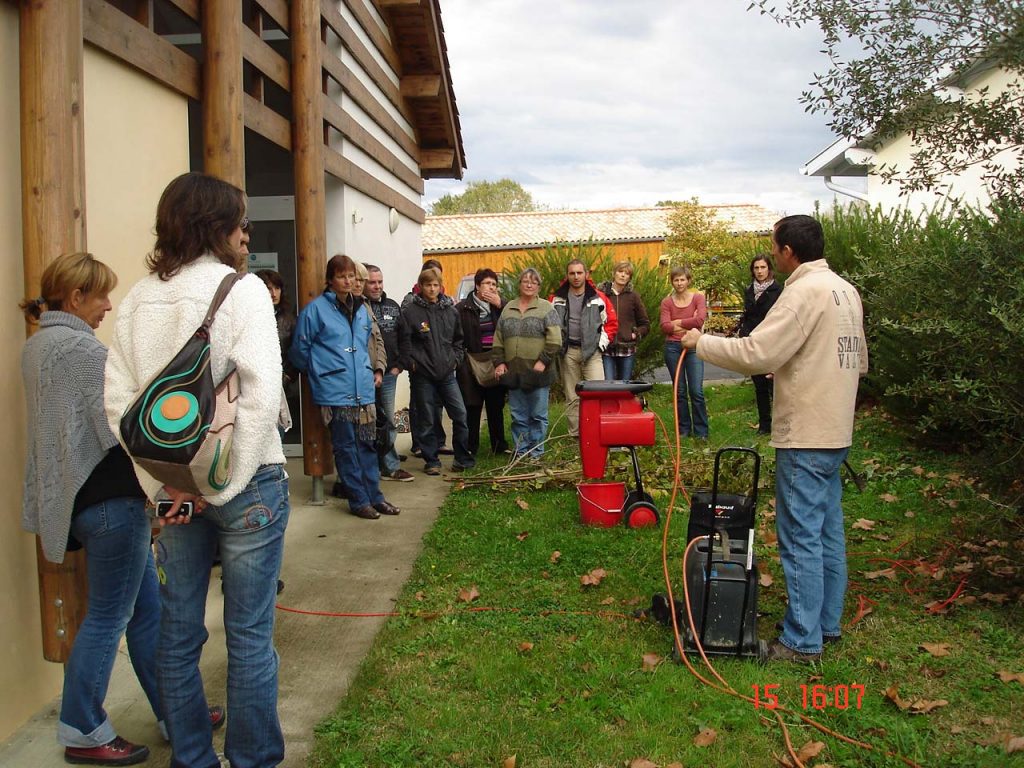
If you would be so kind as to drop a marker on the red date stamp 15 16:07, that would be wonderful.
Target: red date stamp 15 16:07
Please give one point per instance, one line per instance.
(813, 696)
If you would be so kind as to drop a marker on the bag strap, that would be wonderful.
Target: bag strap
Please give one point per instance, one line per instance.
(218, 298)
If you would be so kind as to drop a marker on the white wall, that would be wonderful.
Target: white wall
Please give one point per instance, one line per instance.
(967, 187)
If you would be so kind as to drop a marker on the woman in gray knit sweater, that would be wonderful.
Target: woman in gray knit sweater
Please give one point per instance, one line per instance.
(80, 491)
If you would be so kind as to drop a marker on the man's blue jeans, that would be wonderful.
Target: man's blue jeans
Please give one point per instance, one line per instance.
(691, 383)
(812, 543)
(618, 368)
(425, 392)
(387, 455)
(250, 531)
(123, 600)
(356, 462)
(529, 411)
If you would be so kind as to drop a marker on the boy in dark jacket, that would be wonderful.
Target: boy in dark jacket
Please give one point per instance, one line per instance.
(431, 348)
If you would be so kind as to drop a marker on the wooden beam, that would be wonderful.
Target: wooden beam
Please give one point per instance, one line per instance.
(361, 95)
(362, 55)
(267, 123)
(396, 3)
(265, 59)
(348, 127)
(421, 86)
(436, 159)
(381, 40)
(277, 10)
(223, 114)
(351, 174)
(123, 38)
(310, 198)
(189, 7)
(53, 223)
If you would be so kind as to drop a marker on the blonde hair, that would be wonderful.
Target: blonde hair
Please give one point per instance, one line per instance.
(362, 273)
(429, 275)
(63, 276)
(626, 265)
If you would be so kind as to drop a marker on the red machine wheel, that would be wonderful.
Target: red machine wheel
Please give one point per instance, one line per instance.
(642, 514)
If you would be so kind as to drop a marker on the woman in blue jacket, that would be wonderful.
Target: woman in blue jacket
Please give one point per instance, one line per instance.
(331, 345)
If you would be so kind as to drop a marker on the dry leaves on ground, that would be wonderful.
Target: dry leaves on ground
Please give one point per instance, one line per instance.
(642, 762)
(651, 661)
(1009, 677)
(810, 750)
(525, 647)
(864, 525)
(885, 573)
(935, 649)
(554, 556)
(765, 579)
(522, 536)
(1014, 744)
(889, 498)
(469, 595)
(593, 578)
(705, 738)
(915, 707)
(521, 503)
(509, 762)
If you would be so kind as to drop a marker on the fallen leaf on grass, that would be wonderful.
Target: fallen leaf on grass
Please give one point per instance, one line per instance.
(705, 738)
(522, 536)
(931, 674)
(998, 598)
(554, 556)
(593, 578)
(765, 579)
(885, 573)
(651, 661)
(509, 762)
(608, 601)
(935, 649)
(521, 503)
(892, 693)
(924, 706)
(1009, 677)
(469, 595)
(908, 514)
(525, 647)
(864, 525)
(889, 498)
(810, 750)
(641, 762)
(917, 471)
(419, 596)
(1014, 744)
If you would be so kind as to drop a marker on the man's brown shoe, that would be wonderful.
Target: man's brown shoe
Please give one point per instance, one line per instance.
(386, 508)
(367, 513)
(779, 652)
(115, 752)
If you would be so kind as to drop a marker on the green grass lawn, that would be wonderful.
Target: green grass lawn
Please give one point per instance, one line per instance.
(544, 668)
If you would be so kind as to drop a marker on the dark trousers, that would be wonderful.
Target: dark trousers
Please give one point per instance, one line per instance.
(493, 398)
(763, 390)
(432, 414)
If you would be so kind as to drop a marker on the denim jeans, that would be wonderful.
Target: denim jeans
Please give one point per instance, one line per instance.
(123, 600)
(618, 368)
(387, 456)
(529, 411)
(415, 419)
(692, 384)
(250, 532)
(812, 544)
(425, 392)
(356, 462)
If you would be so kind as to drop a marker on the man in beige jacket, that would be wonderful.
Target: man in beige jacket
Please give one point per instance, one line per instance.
(813, 341)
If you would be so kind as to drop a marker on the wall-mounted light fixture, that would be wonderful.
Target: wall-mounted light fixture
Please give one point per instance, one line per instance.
(357, 218)
(393, 220)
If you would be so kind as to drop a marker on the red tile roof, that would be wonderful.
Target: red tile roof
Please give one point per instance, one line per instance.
(503, 231)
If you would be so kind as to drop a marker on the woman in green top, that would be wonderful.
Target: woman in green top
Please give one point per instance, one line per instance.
(526, 341)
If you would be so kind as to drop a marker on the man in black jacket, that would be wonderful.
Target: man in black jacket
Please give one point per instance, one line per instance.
(388, 315)
(431, 348)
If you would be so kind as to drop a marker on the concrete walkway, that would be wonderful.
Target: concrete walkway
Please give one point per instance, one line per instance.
(334, 562)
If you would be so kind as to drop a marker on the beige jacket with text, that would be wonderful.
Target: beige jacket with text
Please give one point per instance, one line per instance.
(813, 341)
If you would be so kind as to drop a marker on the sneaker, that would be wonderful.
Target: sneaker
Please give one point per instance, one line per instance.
(432, 470)
(400, 475)
(826, 639)
(779, 652)
(114, 752)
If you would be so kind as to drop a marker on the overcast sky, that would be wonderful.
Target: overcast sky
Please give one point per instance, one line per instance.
(607, 103)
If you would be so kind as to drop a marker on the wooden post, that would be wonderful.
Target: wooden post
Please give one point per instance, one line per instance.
(223, 115)
(310, 219)
(53, 223)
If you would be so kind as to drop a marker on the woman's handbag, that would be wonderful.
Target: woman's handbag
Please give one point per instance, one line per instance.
(482, 367)
(179, 428)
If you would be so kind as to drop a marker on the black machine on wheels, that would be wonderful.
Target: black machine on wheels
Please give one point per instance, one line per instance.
(721, 570)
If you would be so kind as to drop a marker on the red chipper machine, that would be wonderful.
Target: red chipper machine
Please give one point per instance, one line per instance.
(613, 416)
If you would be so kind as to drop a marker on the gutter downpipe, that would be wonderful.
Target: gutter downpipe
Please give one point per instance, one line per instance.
(857, 195)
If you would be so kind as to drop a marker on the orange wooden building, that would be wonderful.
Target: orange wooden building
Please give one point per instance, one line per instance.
(465, 243)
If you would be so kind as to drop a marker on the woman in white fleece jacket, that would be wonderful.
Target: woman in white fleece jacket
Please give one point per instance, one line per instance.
(199, 225)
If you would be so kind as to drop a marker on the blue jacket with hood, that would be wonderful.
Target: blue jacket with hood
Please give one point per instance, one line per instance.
(331, 346)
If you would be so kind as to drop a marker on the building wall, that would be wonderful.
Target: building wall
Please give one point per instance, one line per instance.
(967, 187)
(136, 140)
(457, 265)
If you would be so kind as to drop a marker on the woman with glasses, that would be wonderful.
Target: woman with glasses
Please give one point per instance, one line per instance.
(198, 242)
(526, 342)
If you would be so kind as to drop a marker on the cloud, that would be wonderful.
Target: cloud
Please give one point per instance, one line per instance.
(593, 103)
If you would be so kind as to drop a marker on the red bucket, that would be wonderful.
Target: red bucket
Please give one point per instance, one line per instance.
(601, 503)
